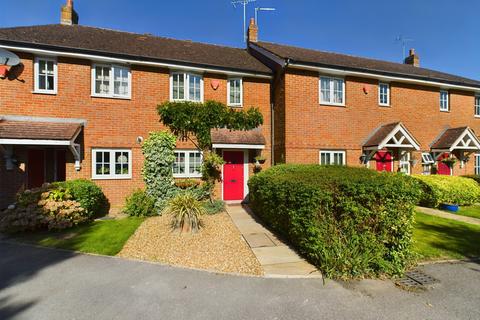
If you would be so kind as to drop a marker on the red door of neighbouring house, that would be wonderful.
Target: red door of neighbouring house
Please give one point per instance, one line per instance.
(384, 161)
(233, 176)
(443, 168)
(35, 168)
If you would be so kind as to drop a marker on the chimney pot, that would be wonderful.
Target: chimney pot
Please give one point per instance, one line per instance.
(252, 31)
(68, 15)
(413, 58)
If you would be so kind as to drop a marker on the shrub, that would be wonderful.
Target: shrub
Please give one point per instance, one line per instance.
(88, 194)
(186, 211)
(187, 183)
(475, 177)
(140, 204)
(437, 189)
(350, 222)
(158, 151)
(214, 207)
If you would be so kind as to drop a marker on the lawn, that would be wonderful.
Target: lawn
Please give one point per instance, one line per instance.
(471, 211)
(437, 238)
(101, 237)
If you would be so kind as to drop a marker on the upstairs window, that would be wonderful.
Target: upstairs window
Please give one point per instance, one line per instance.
(111, 81)
(111, 164)
(235, 92)
(384, 94)
(45, 70)
(332, 91)
(187, 164)
(186, 87)
(332, 157)
(477, 105)
(444, 103)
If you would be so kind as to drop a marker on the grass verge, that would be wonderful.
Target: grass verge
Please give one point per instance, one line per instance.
(100, 237)
(469, 211)
(438, 238)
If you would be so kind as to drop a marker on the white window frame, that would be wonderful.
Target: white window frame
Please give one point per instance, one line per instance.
(186, 83)
(332, 156)
(405, 161)
(331, 79)
(37, 73)
(112, 175)
(385, 104)
(229, 103)
(111, 93)
(427, 162)
(447, 101)
(477, 164)
(477, 105)
(187, 174)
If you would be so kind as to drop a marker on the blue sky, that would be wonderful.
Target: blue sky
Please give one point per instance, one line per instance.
(445, 32)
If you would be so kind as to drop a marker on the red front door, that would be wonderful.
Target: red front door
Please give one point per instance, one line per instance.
(443, 168)
(384, 161)
(36, 168)
(233, 177)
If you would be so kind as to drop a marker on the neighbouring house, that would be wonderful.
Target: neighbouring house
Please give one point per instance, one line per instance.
(83, 99)
(333, 108)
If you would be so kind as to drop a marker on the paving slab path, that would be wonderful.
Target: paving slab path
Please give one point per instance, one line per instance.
(446, 215)
(275, 256)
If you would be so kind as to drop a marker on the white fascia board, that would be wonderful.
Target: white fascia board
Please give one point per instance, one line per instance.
(238, 146)
(132, 61)
(380, 77)
(34, 142)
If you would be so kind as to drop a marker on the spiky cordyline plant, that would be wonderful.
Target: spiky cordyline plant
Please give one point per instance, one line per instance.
(186, 210)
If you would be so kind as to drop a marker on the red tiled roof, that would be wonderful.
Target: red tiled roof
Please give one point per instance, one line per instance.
(380, 135)
(225, 136)
(448, 138)
(37, 130)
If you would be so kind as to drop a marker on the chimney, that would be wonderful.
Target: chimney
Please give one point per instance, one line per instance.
(252, 31)
(413, 58)
(68, 16)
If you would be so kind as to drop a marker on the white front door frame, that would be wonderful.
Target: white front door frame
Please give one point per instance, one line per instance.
(245, 172)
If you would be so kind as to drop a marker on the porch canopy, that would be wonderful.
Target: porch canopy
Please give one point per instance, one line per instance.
(237, 139)
(33, 131)
(390, 136)
(461, 139)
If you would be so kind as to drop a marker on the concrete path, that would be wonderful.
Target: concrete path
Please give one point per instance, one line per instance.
(443, 214)
(276, 258)
(46, 284)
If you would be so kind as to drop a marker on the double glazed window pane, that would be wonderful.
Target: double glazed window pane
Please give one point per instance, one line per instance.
(331, 90)
(179, 164)
(332, 158)
(194, 88)
(46, 75)
(195, 162)
(186, 86)
(102, 80)
(477, 105)
(120, 81)
(235, 97)
(102, 163)
(325, 89)
(383, 94)
(121, 163)
(178, 86)
(337, 91)
(444, 100)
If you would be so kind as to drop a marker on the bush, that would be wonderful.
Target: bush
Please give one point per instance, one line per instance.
(475, 177)
(140, 204)
(349, 222)
(186, 211)
(437, 189)
(89, 195)
(214, 207)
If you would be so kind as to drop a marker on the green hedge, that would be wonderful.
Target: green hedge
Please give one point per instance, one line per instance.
(437, 189)
(475, 177)
(349, 222)
(90, 196)
(140, 204)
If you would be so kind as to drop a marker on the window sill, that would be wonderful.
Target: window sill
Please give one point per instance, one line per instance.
(186, 100)
(478, 117)
(235, 106)
(333, 104)
(384, 105)
(112, 178)
(49, 93)
(445, 111)
(110, 97)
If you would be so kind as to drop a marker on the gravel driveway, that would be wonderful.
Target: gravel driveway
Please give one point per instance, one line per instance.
(39, 283)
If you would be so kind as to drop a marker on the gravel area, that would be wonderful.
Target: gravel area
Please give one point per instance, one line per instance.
(217, 247)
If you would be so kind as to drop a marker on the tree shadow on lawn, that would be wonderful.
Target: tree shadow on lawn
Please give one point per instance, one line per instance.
(455, 239)
(20, 263)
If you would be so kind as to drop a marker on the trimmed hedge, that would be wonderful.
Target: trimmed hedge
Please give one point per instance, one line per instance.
(349, 222)
(437, 189)
(475, 177)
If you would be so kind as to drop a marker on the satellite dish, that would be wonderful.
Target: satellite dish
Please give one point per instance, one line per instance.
(8, 58)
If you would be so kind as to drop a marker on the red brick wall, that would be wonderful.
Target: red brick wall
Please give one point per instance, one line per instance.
(310, 127)
(111, 122)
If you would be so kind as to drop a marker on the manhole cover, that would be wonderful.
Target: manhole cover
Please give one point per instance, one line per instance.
(416, 279)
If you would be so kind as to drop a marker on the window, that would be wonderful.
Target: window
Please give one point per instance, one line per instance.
(332, 157)
(427, 162)
(477, 105)
(45, 75)
(187, 164)
(111, 81)
(477, 163)
(111, 164)
(404, 163)
(186, 86)
(444, 105)
(384, 94)
(235, 92)
(332, 91)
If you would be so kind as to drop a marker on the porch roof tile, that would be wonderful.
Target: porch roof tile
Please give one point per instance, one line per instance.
(226, 136)
(448, 138)
(38, 130)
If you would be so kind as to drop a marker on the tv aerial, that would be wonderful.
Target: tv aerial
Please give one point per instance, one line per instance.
(404, 42)
(245, 4)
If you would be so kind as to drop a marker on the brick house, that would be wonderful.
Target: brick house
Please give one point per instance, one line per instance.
(83, 99)
(332, 108)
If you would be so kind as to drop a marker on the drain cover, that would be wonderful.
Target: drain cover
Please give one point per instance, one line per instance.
(416, 278)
